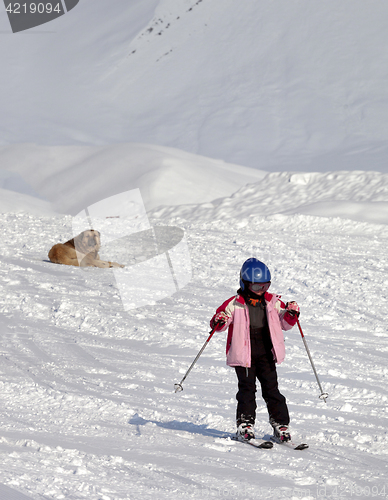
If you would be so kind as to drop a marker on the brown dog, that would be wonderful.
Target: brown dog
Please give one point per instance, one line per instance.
(80, 251)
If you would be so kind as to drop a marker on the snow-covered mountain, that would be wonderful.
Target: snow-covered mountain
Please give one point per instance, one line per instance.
(290, 86)
(249, 129)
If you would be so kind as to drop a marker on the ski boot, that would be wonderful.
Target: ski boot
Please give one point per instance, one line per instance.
(280, 431)
(245, 430)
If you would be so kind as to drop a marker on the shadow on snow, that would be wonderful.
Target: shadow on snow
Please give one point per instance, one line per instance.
(180, 426)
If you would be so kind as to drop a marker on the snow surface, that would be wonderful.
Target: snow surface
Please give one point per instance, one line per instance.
(88, 403)
(360, 196)
(72, 177)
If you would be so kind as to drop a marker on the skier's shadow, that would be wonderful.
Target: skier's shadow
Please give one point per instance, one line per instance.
(177, 426)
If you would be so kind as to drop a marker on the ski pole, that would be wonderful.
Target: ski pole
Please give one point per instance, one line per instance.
(323, 395)
(178, 387)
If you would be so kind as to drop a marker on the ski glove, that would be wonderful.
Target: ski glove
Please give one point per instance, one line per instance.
(220, 318)
(293, 309)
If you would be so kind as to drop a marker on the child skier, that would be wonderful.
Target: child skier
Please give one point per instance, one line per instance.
(255, 319)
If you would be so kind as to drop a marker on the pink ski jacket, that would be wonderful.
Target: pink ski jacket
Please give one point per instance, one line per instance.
(238, 345)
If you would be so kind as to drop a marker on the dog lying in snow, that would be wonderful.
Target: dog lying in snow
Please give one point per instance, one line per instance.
(80, 251)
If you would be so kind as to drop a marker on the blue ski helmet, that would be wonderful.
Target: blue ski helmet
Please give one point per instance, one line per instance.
(254, 271)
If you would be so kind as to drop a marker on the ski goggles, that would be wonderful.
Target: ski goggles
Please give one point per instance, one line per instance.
(259, 287)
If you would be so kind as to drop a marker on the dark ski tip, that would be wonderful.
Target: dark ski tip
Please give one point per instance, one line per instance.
(301, 446)
(257, 443)
(290, 444)
(266, 444)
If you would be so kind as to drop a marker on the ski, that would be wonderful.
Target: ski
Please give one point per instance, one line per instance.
(289, 444)
(257, 443)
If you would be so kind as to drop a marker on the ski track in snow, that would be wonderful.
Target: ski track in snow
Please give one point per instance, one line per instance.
(88, 408)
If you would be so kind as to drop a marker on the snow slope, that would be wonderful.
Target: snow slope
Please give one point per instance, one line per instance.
(262, 84)
(72, 177)
(67, 179)
(88, 408)
(360, 196)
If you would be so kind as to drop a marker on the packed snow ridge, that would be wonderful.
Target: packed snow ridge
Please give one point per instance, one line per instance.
(361, 196)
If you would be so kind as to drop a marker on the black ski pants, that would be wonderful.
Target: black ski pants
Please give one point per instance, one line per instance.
(264, 369)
